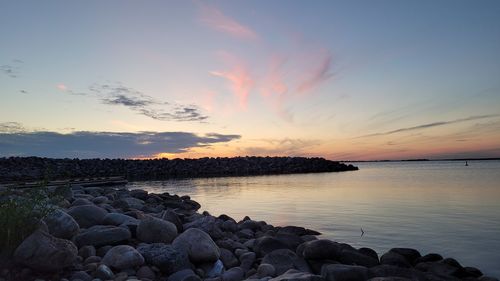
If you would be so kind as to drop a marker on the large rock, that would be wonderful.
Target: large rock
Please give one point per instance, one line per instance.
(43, 252)
(354, 257)
(233, 274)
(385, 270)
(208, 224)
(184, 275)
(342, 272)
(295, 275)
(198, 245)
(87, 215)
(411, 255)
(154, 230)
(61, 225)
(321, 249)
(117, 219)
(101, 235)
(164, 256)
(228, 259)
(129, 203)
(266, 244)
(393, 258)
(123, 257)
(283, 260)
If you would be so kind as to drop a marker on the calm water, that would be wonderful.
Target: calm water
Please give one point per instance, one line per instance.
(441, 207)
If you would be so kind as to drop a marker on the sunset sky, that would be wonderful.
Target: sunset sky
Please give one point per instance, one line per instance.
(344, 80)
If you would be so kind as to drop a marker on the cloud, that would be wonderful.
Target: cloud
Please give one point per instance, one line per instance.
(16, 141)
(119, 95)
(216, 19)
(431, 125)
(238, 77)
(319, 73)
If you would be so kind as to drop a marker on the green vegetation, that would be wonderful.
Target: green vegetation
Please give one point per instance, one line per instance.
(21, 212)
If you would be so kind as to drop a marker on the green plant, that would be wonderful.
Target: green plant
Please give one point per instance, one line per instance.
(21, 213)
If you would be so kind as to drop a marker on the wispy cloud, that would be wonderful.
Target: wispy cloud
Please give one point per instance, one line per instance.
(280, 147)
(431, 125)
(317, 74)
(118, 95)
(17, 141)
(238, 77)
(216, 19)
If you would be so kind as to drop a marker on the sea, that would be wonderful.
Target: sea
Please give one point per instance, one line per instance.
(440, 207)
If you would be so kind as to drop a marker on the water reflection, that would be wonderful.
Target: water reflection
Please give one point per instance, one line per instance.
(443, 207)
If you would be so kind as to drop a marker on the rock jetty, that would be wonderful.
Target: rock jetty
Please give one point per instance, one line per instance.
(106, 233)
(34, 168)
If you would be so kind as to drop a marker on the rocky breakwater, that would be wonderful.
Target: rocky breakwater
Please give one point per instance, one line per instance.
(116, 234)
(35, 168)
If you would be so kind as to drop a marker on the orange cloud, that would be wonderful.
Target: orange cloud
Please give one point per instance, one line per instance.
(217, 20)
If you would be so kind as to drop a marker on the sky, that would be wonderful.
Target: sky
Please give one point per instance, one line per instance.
(344, 80)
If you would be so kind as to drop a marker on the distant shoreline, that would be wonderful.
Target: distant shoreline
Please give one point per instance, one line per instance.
(421, 160)
(15, 169)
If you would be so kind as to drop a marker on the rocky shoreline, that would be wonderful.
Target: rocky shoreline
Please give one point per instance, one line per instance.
(106, 233)
(14, 169)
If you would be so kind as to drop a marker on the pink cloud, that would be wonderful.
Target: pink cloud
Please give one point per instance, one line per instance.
(217, 20)
(62, 87)
(240, 82)
(318, 73)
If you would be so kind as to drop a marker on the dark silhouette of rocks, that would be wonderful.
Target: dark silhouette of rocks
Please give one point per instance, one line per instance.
(36, 168)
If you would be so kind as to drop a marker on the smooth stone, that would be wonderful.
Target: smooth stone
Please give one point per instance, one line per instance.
(80, 275)
(265, 245)
(228, 258)
(87, 251)
(61, 225)
(321, 249)
(385, 270)
(154, 230)
(409, 254)
(284, 259)
(101, 235)
(183, 275)
(165, 257)
(265, 270)
(247, 260)
(104, 272)
(429, 258)
(342, 272)
(92, 259)
(145, 272)
(295, 275)
(172, 217)
(233, 274)
(129, 203)
(298, 230)
(44, 252)
(117, 219)
(81, 202)
(103, 250)
(87, 215)
(393, 258)
(123, 257)
(353, 257)
(198, 245)
(215, 270)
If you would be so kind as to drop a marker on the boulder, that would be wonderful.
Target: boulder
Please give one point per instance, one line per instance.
(265, 270)
(164, 257)
(284, 259)
(393, 258)
(87, 215)
(101, 235)
(145, 272)
(44, 252)
(266, 244)
(247, 259)
(233, 274)
(385, 270)
(343, 272)
(228, 258)
(429, 258)
(129, 203)
(61, 225)
(295, 275)
(198, 245)
(103, 272)
(353, 257)
(184, 275)
(123, 257)
(117, 219)
(321, 249)
(409, 254)
(154, 230)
